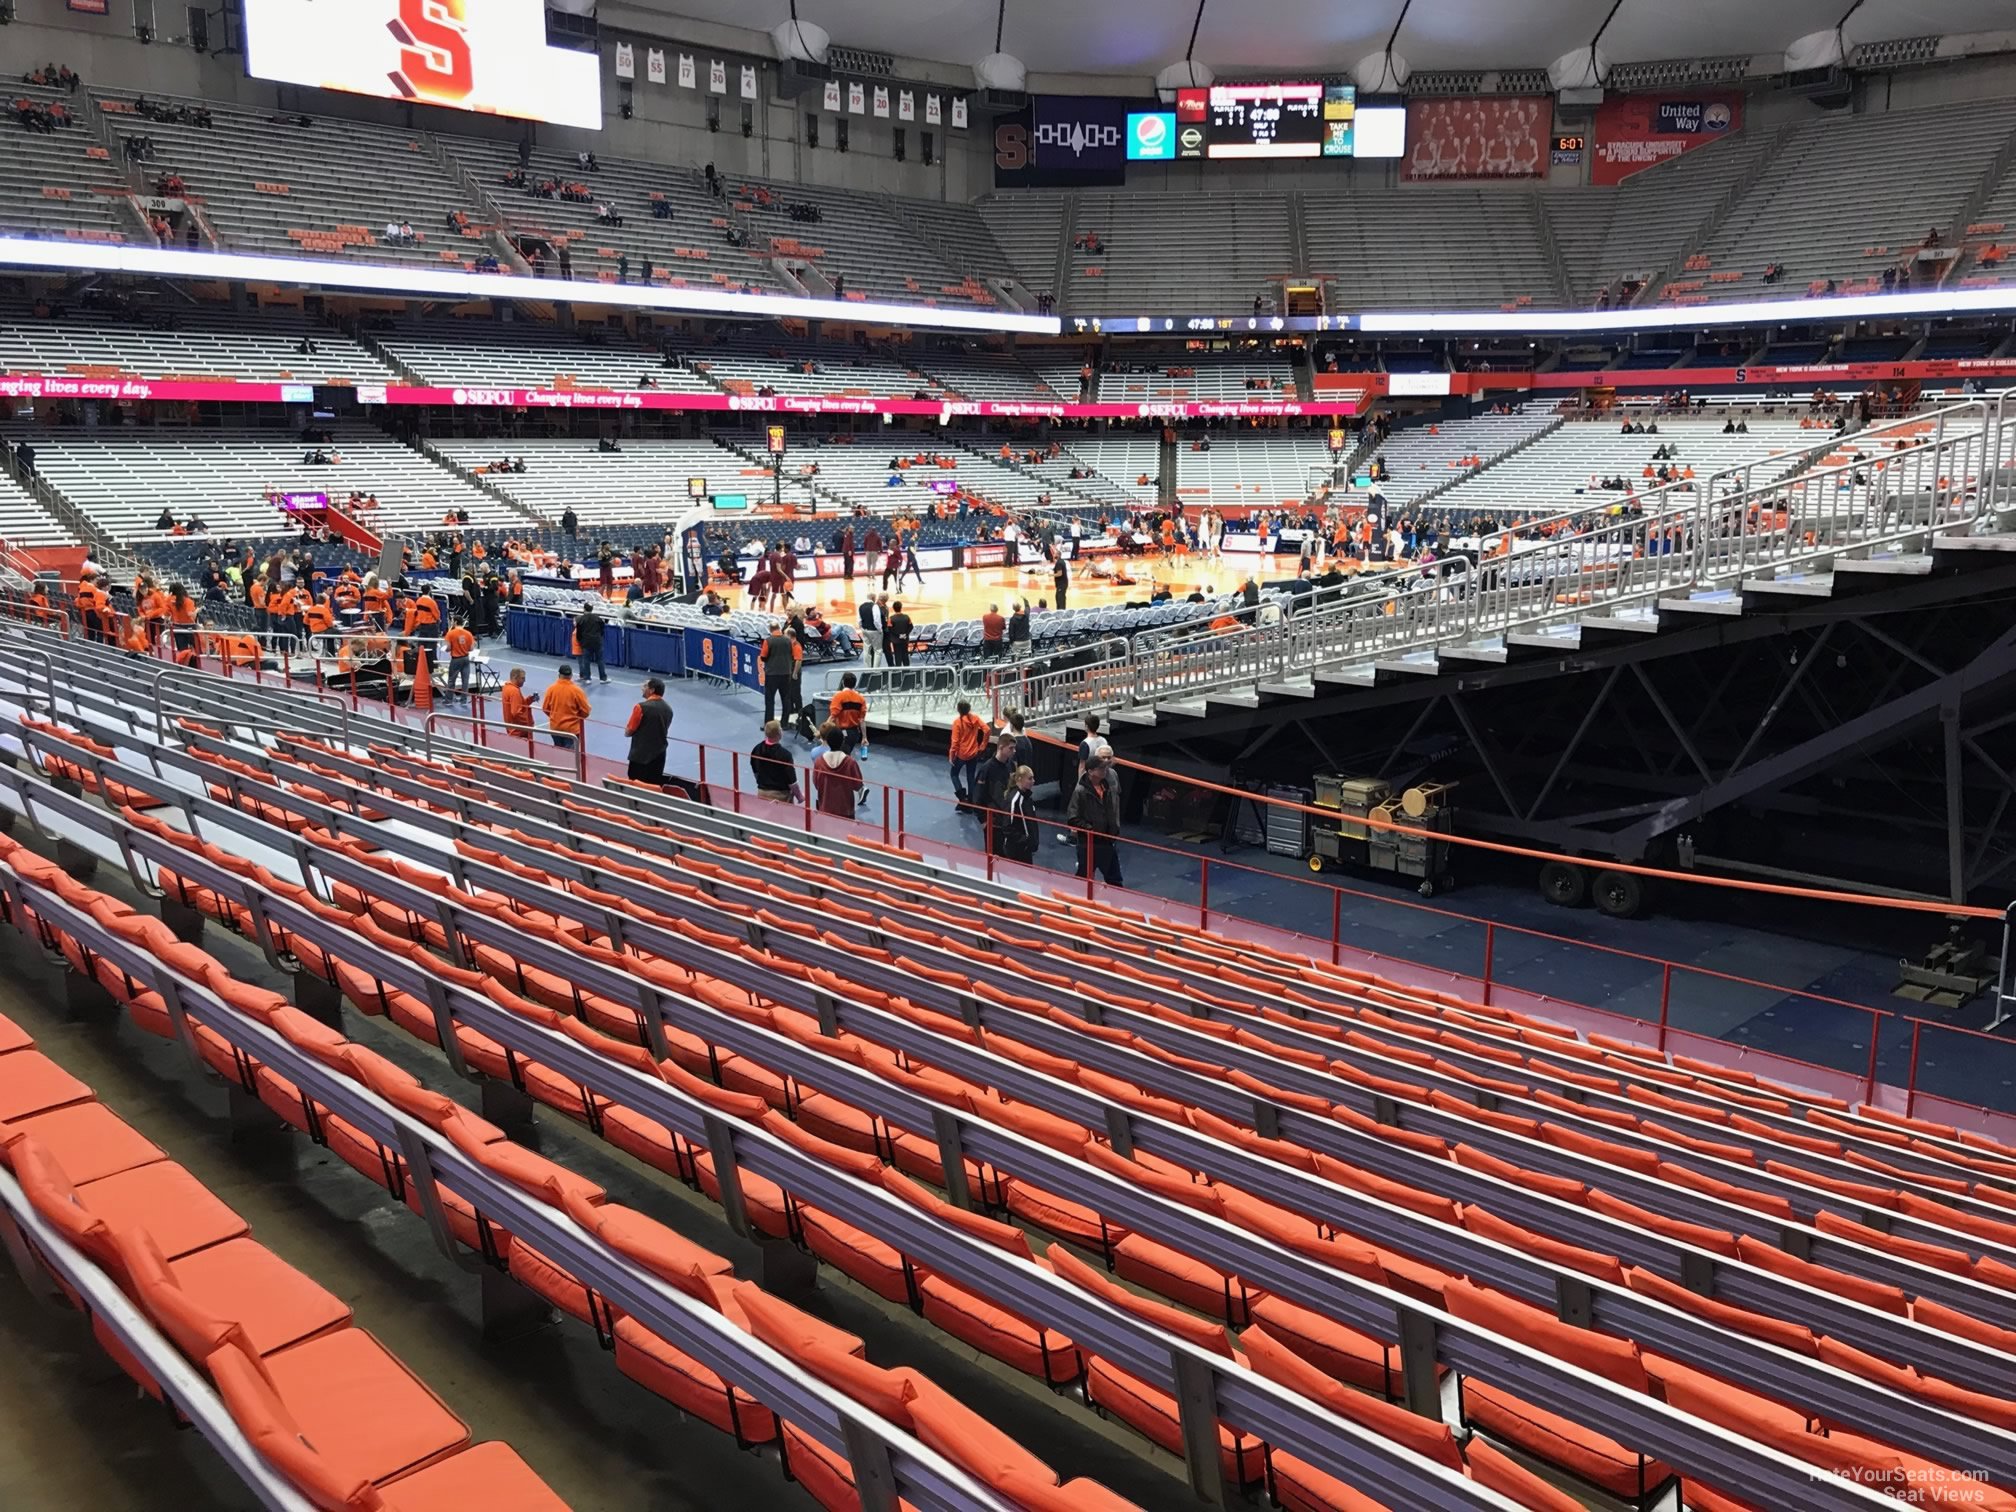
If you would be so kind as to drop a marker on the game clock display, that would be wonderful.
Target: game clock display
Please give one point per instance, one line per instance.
(1271, 120)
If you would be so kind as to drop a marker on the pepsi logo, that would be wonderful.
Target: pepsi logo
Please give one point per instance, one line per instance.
(1150, 132)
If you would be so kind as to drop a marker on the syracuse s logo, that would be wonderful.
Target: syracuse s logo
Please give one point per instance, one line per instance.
(434, 65)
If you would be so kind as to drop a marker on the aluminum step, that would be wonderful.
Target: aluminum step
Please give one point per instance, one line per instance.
(1793, 584)
(1239, 698)
(1485, 652)
(1347, 677)
(1302, 688)
(1414, 664)
(1140, 715)
(1192, 708)
(1904, 564)
(1716, 601)
(1554, 638)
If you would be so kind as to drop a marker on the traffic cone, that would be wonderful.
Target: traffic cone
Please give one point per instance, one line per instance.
(423, 685)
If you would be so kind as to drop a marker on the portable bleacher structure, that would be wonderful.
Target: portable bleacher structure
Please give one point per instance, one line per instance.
(1781, 1299)
(121, 479)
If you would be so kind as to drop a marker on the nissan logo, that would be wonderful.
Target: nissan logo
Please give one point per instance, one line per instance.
(1191, 138)
(1077, 135)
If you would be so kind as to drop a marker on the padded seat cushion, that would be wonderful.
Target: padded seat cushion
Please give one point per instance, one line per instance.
(181, 1213)
(361, 1408)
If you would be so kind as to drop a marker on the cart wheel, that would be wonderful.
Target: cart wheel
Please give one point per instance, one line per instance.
(1618, 894)
(1427, 887)
(1315, 863)
(1563, 885)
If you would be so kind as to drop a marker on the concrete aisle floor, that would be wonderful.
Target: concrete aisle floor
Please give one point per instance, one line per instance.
(74, 1434)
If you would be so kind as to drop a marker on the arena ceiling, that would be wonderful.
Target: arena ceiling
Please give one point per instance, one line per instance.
(1138, 37)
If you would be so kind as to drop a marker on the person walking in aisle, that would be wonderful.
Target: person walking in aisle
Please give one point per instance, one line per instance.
(836, 777)
(649, 725)
(874, 628)
(771, 765)
(968, 745)
(1094, 815)
(566, 708)
(588, 629)
(781, 654)
(1015, 830)
(848, 713)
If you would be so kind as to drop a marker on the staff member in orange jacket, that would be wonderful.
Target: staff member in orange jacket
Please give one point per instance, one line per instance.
(517, 705)
(378, 603)
(566, 708)
(459, 643)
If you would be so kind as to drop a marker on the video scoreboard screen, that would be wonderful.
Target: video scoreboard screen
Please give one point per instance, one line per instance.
(1266, 120)
(486, 56)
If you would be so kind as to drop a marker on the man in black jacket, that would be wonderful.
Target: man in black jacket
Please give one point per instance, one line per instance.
(896, 639)
(650, 725)
(588, 628)
(776, 775)
(1094, 816)
(989, 793)
(569, 522)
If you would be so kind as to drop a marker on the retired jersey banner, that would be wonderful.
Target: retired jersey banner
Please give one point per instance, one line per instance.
(689, 76)
(626, 61)
(1478, 137)
(831, 96)
(654, 65)
(1640, 131)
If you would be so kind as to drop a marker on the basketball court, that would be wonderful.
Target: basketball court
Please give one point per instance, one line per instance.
(965, 593)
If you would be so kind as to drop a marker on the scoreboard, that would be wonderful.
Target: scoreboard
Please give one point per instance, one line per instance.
(1269, 120)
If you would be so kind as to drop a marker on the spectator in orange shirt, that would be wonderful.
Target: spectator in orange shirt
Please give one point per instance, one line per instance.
(993, 632)
(848, 713)
(567, 709)
(459, 643)
(517, 707)
(969, 743)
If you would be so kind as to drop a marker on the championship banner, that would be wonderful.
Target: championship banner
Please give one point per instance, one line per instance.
(1636, 132)
(1478, 137)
